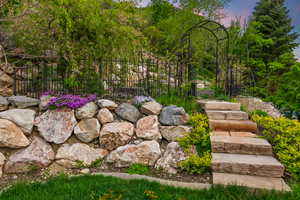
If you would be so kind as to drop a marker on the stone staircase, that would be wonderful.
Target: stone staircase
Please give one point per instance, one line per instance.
(239, 156)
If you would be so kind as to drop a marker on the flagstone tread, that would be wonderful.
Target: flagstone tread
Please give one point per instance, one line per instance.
(258, 165)
(242, 134)
(251, 181)
(219, 105)
(227, 115)
(233, 125)
(240, 145)
(233, 134)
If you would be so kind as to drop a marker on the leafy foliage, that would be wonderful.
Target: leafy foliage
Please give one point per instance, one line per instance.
(199, 137)
(284, 135)
(138, 169)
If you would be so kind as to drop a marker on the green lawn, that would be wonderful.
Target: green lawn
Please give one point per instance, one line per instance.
(90, 187)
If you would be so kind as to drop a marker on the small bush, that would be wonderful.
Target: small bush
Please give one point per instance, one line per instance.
(196, 164)
(284, 135)
(199, 137)
(138, 169)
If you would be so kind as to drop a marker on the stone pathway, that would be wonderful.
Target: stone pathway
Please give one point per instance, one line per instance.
(239, 157)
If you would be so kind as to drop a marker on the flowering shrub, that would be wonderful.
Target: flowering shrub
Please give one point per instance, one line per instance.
(70, 101)
(139, 100)
(284, 135)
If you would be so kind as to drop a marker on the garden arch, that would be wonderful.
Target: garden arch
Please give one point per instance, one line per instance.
(223, 70)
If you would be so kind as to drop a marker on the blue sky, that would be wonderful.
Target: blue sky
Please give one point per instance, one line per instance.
(244, 8)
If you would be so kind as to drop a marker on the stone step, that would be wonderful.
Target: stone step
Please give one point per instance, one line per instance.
(233, 134)
(251, 181)
(255, 165)
(219, 105)
(227, 115)
(240, 145)
(233, 125)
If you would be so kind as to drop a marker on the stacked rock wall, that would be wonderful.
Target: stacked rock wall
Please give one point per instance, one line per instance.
(33, 137)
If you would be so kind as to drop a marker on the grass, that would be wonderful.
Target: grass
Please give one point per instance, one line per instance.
(98, 187)
(188, 103)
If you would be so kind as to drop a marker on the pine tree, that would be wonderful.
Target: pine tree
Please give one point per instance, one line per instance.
(275, 24)
(271, 41)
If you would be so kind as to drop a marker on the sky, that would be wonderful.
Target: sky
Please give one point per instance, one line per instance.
(244, 8)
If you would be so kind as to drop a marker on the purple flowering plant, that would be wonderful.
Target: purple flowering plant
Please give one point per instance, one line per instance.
(70, 101)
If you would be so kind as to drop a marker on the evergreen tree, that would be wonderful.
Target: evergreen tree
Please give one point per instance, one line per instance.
(274, 24)
(271, 41)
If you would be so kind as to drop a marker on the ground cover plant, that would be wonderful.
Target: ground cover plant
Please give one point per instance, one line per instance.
(199, 137)
(96, 187)
(284, 135)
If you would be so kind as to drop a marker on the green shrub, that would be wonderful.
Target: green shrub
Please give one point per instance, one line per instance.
(259, 113)
(196, 164)
(138, 169)
(284, 135)
(199, 137)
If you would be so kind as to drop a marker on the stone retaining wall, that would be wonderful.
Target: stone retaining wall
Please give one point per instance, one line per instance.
(33, 137)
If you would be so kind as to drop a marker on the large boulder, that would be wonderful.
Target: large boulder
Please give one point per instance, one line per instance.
(3, 103)
(173, 116)
(38, 154)
(86, 111)
(12, 136)
(24, 118)
(56, 125)
(87, 130)
(116, 134)
(148, 128)
(105, 116)
(128, 112)
(147, 153)
(2, 161)
(104, 103)
(151, 108)
(23, 101)
(78, 155)
(171, 157)
(172, 133)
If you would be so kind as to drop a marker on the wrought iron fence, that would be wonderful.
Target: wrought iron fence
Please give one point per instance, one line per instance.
(143, 74)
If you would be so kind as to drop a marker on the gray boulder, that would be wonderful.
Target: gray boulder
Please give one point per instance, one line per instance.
(128, 112)
(23, 101)
(173, 116)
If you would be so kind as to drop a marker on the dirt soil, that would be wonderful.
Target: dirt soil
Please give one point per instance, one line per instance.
(39, 175)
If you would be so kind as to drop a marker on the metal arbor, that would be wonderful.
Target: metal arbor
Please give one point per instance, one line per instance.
(223, 71)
